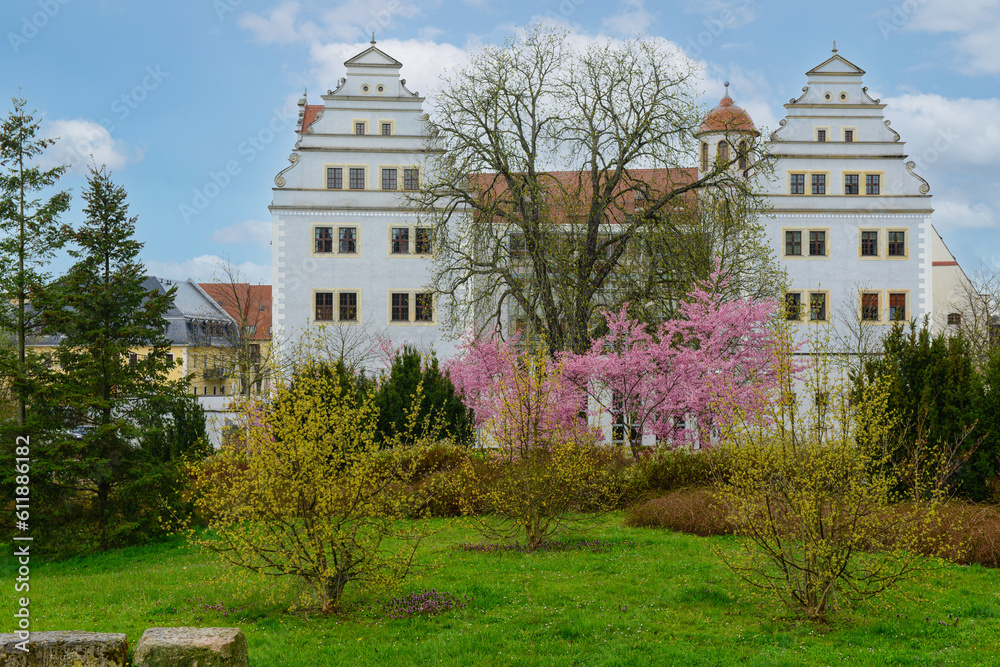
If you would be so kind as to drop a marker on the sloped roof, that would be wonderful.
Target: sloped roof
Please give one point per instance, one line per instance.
(308, 117)
(727, 117)
(250, 304)
(373, 57)
(836, 65)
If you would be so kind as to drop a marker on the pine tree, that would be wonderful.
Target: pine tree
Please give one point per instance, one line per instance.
(29, 235)
(112, 368)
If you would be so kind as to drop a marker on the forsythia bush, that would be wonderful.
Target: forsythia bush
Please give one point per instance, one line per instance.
(308, 494)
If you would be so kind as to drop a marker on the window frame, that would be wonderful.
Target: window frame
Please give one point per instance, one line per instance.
(792, 184)
(825, 295)
(316, 240)
(411, 297)
(824, 243)
(798, 243)
(393, 241)
(335, 305)
(407, 175)
(337, 230)
(813, 176)
(861, 243)
(332, 179)
(888, 243)
(363, 122)
(363, 179)
(857, 184)
(877, 318)
(392, 174)
(797, 298)
(825, 129)
(853, 134)
(382, 123)
(341, 239)
(892, 295)
(869, 184)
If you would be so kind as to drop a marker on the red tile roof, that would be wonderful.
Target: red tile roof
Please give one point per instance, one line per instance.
(246, 303)
(309, 115)
(727, 117)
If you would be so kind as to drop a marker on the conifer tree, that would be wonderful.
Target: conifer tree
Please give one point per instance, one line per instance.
(29, 235)
(112, 369)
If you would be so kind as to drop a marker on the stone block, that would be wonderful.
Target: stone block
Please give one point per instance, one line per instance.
(65, 649)
(191, 647)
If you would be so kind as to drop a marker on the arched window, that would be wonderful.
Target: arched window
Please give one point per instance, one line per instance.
(722, 151)
(741, 151)
(704, 156)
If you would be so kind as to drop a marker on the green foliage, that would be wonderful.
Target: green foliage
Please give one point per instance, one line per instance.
(986, 463)
(440, 409)
(29, 236)
(98, 413)
(937, 397)
(309, 494)
(815, 497)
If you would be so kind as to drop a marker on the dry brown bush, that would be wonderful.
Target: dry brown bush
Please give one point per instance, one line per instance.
(963, 532)
(695, 511)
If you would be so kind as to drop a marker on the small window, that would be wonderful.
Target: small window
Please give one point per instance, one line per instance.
(359, 128)
(357, 178)
(897, 307)
(819, 184)
(422, 242)
(798, 184)
(348, 240)
(424, 307)
(851, 183)
(954, 319)
(869, 308)
(348, 306)
(400, 307)
(793, 306)
(386, 129)
(170, 357)
(817, 243)
(334, 178)
(388, 179)
(133, 358)
(793, 243)
(411, 179)
(848, 136)
(817, 307)
(400, 240)
(741, 153)
(821, 136)
(704, 156)
(897, 244)
(324, 306)
(324, 239)
(872, 184)
(869, 244)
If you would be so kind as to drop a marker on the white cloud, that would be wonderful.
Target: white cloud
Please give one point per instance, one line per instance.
(82, 143)
(254, 232)
(277, 27)
(946, 133)
(633, 19)
(207, 268)
(975, 24)
(950, 214)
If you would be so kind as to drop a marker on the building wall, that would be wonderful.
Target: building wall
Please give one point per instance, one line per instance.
(303, 201)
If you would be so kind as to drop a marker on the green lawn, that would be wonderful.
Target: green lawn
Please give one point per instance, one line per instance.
(649, 598)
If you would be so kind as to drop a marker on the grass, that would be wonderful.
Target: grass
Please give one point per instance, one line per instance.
(640, 597)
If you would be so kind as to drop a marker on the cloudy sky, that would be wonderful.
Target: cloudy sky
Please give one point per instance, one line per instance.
(191, 103)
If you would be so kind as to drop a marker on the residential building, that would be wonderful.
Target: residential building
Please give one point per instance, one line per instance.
(248, 352)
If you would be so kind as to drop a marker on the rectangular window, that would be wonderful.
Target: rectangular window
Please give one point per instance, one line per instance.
(411, 179)
(817, 243)
(423, 307)
(704, 156)
(817, 307)
(133, 358)
(388, 179)
(324, 239)
(954, 319)
(324, 306)
(357, 178)
(851, 183)
(348, 306)
(793, 306)
(869, 308)
(422, 241)
(821, 136)
(819, 184)
(400, 240)
(386, 129)
(798, 184)
(334, 178)
(793, 243)
(897, 244)
(849, 136)
(359, 128)
(872, 184)
(170, 357)
(400, 307)
(348, 240)
(869, 244)
(897, 307)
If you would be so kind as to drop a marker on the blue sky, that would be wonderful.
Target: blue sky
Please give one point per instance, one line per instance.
(191, 103)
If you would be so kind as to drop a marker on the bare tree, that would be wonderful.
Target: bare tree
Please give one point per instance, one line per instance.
(358, 345)
(248, 352)
(975, 312)
(517, 238)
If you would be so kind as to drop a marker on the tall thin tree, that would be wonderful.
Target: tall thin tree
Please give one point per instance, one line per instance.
(30, 235)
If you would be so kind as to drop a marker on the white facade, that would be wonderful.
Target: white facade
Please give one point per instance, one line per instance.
(346, 250)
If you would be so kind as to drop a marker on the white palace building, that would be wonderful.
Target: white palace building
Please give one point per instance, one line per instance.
(851, 221)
